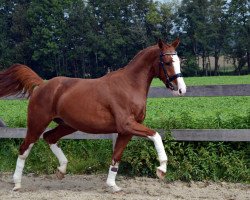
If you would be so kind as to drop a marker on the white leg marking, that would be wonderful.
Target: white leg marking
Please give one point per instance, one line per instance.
(17, 177)
(160, 151)
(60, 156)
(111, 178)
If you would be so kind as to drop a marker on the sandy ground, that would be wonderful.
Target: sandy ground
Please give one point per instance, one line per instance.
(92, 187)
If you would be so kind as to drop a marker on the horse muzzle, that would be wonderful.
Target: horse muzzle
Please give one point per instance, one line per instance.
(180, 89)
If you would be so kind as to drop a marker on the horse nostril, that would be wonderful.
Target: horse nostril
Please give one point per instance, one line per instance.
(180, 91)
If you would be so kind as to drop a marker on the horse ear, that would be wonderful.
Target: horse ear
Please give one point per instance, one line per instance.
(176, 42)
(160, 43)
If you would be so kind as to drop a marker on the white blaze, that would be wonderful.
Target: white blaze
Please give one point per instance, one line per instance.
(180, 80)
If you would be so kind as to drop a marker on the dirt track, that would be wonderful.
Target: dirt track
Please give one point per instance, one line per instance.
(93, 187)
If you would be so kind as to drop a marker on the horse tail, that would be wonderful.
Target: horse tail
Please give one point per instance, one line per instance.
(18, 79)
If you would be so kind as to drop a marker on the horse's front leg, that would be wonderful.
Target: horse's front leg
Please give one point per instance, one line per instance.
(120, 145)
(162, 169)
(138, 129)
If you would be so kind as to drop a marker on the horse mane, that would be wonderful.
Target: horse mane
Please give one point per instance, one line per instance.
(141, 53)
(134, 59)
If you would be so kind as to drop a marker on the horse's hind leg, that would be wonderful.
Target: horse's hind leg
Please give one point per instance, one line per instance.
(51, 137)
(121, 143)
(36, 126)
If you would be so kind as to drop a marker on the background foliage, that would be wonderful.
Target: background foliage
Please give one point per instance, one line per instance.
(88, 38)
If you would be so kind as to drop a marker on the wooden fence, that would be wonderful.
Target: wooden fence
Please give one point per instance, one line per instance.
(177, 134)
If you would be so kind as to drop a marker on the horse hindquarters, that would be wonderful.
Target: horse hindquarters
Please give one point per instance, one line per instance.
(38, 120)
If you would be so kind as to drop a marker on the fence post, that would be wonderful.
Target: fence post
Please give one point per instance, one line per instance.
(2, 124)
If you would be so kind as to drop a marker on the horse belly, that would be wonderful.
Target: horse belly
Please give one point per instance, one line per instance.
(88, 117)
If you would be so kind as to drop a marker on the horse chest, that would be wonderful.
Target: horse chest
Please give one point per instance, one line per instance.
(139, 113)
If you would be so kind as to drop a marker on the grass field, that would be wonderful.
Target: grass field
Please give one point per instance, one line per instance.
(212, 80)
(200, 112)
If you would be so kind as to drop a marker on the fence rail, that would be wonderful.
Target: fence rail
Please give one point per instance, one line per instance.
(178, 134)
(194, 91)
(238, 135)
(208, 91)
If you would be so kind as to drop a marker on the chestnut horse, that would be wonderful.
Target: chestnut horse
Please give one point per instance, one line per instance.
(113, 103)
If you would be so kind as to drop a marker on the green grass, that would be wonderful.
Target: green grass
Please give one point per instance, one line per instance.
(212, 80)
(14, 113)
(199, 112)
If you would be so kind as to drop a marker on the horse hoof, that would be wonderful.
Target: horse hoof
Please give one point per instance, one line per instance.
(17, 187)
(116, 189)
(59, 175)
(160, 174)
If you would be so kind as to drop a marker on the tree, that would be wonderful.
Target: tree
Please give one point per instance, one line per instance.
(238, 36)
(159, 20)
(192, 25)
(6, 44)
(20, 31)
(75, 46)
(47, 21)
(217, 28)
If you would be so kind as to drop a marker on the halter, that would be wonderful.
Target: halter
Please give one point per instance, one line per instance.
(169, 79)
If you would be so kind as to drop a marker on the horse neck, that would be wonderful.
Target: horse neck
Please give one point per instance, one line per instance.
(140, 70)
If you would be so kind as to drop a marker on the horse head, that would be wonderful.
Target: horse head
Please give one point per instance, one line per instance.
(169, 70)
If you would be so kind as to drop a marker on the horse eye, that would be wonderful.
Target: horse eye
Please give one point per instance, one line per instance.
(168, 63)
